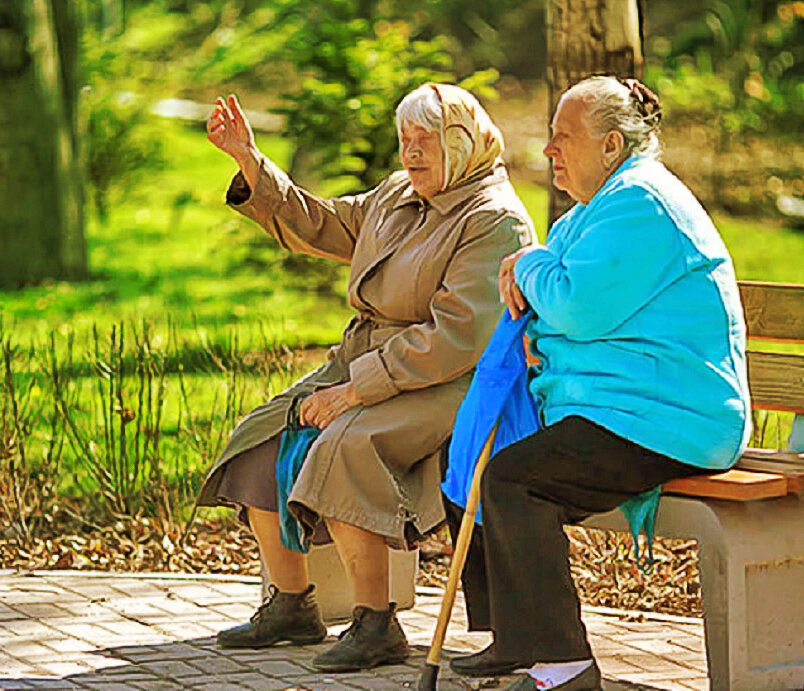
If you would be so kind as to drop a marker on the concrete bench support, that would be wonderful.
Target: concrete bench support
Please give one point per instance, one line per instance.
(751, 559)
(333, 591)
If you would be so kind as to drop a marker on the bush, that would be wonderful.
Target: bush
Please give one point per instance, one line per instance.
(744, 59)
(352, 72)
(124, 422)
(117, 145)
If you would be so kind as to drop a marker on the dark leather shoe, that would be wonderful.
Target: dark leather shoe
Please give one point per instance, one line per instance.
(293, 617)
(588, 680)
(486, 663)
(374, 638)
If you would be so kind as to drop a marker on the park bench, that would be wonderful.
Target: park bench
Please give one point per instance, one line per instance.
(749, 521)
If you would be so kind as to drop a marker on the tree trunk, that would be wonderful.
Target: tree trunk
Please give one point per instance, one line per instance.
(586, 37)
(41, 225)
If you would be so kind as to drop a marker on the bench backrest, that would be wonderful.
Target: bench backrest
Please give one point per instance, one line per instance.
(774, 313)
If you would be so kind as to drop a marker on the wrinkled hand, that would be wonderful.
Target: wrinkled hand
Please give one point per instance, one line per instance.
(509, 291)
(229, 130)
(322, 407)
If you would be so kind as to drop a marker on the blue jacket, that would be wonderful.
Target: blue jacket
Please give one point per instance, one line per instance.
(638, 322)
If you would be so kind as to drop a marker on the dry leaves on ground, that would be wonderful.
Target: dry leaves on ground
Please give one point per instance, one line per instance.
(601, 562)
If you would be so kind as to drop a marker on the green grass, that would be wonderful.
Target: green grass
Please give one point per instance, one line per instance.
(171, 248)
(763, 251)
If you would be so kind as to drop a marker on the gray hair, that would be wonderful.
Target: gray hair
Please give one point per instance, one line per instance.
(420, 107)
(612, 106)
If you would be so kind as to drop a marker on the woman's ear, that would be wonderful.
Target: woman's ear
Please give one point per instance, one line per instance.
(613, 147)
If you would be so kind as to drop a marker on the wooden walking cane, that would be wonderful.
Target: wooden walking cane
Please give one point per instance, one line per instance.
(427, 681)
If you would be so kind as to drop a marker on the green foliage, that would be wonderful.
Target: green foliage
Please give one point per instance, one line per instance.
(118, 148)
(352, 72)
(744, 59)
(506, 34)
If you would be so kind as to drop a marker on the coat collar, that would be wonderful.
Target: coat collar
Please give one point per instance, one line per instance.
(445, 202)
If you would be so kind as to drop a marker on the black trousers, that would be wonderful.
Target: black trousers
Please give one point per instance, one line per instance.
(562, 474)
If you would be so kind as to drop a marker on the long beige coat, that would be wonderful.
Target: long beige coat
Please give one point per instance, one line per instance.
(423, 281)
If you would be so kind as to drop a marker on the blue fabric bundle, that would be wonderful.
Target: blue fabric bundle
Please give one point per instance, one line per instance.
(499, 391)
(294, 444)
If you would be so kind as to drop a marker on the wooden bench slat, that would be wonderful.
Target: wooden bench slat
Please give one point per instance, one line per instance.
(791, 465)
(786, 457)
(734, 485)
(773, 311)
(776, 381)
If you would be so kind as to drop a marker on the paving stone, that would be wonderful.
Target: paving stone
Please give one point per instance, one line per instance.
(217, 664)
(654, 679)
(176, 606)
(259, 682)
(64, 669)
(234, 611)
(170, 668)
(159, 685)
(94, 589)
(279, 668)
(122, 675)
(602, 628)
(86, 610)
(26, 627)
(17, 669)
(53, 684)
(13, 684)
(189, 630)
(25, 648)
(134, 608)
(135, 651)
(67, 644)
(211, 683)
(654, 664)
(138, 588)
(695, 644)
(616, 667)
(319, 683)
(9, 614)
(199, 593)
(107, 686)
(40, 610)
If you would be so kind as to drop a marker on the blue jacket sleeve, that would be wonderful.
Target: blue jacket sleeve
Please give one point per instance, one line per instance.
(626, 251)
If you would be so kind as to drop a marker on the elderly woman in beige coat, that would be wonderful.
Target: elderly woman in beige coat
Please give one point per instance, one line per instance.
(424, 247)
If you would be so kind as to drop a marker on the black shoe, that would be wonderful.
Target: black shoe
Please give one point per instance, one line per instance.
(293, 617)
(588, 680)
(486, 663)
(373, 638)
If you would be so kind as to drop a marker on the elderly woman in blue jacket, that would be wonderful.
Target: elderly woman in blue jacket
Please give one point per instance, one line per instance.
(636, 323)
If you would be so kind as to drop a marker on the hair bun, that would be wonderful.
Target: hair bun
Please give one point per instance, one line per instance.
(647, 103)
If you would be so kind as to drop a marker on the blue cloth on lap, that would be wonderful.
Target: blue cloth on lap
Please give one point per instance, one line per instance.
(294, 444)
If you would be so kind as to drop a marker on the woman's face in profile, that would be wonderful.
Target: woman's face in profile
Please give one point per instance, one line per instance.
(421, 153)
(577, 154)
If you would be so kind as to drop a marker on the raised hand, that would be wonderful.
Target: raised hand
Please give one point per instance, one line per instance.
(229, 130)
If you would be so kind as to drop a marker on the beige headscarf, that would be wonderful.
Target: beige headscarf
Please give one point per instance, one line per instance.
(471, 141)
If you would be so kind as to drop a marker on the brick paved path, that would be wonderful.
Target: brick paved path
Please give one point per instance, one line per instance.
(139, 631)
